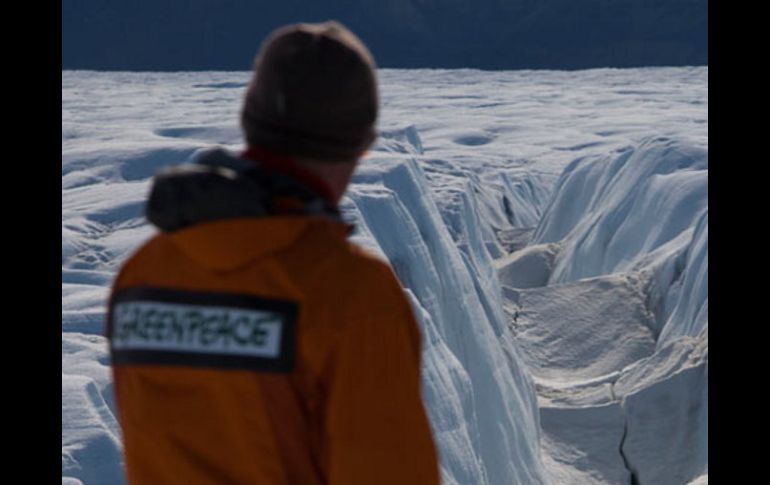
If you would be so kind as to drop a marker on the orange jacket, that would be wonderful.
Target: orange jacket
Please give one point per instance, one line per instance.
(267, 350)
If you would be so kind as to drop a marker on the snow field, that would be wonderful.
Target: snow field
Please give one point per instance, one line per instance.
(468, 180)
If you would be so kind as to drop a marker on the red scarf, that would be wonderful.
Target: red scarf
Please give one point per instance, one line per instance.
(284, 164)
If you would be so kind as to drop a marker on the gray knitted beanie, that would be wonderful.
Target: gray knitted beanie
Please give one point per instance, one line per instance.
(313, 93)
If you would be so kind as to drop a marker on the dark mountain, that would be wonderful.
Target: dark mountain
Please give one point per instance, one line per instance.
(170, 35)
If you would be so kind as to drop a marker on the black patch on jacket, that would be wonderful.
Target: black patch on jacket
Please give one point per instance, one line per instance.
(160, 326)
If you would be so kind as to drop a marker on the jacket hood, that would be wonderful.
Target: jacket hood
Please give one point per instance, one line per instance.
(218, 186)
(222, 210)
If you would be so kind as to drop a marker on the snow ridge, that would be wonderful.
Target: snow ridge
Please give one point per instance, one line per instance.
(613, 317)
(460, 313)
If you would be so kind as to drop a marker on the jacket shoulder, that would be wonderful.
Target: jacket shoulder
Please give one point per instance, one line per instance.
(360, 280)
(145, 262)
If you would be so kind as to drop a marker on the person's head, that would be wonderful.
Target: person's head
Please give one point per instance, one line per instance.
(314, 97)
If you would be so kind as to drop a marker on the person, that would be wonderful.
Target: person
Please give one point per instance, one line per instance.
(250, 341)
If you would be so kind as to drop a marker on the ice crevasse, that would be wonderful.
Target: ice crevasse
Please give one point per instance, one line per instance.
(501, 238)
(479, 396)
(633, 220)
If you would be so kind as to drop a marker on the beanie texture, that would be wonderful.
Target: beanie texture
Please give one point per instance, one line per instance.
(313, 93)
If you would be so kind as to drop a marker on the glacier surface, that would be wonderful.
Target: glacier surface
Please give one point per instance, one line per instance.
(550, 229)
